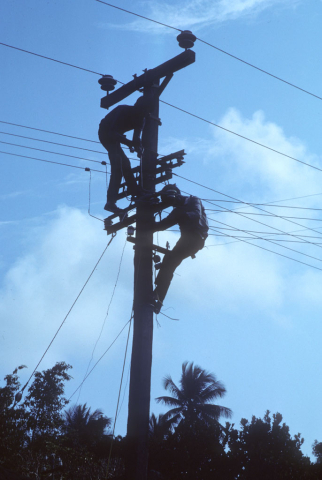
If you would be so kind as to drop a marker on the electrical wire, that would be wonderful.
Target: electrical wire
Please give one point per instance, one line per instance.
(71, 308)
(267, 215)
(49, 58)
(51, 161)
(108, 348)
(119, 395)
(192, 114)
(272, 251)
(53, 143)
(272, 241)
(108, 311)
(241, 136)
(216, 48)
(49, 131)
(274, 215)
(55, 153)
(89, 198)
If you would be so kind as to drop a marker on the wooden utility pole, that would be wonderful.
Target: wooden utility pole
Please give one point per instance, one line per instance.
(141, 362)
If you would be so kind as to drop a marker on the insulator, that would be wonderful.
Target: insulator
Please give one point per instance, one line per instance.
(167, 245)
(18, 397)
(87, 169)
(186, 39)
(107, 83)
(156, 258)
(157, 266)
(130, 230)
(103, 163)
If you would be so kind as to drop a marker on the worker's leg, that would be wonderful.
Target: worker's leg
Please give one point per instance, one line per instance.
(114, 153)
(109, 141)
(185, 247)
(127, 173)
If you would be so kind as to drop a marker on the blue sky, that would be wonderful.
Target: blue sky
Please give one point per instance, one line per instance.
(249, 315)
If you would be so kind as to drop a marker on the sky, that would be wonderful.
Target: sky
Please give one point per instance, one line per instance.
(249, 306)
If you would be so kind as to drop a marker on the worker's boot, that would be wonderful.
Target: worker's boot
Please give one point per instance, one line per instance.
(157, 304)
(111, 207)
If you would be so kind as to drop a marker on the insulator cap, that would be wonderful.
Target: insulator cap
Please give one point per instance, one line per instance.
(186, 39)
(107, 83)
(156, 258)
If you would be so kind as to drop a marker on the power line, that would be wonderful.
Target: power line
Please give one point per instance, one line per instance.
(137, 15)
(271, 241)
(268, 215)
(55, 153)
(53, 143)
(49, 58)
(81, 291)
(192, 114)
(274, 243)
(108, 310)
(271, 251)
(109, 347)
(229, 196)
(49, 131)
(216, 48)
(51, 161)
(241, 136)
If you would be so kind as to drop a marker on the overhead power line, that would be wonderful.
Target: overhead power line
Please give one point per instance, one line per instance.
(49, 131)
(53, 143)
(241, 136)
(55, 153)
(195, 116)
(218, 49)
(51, 161)
(49, 58)
(272, 251)
(229, 196)
(71, 308)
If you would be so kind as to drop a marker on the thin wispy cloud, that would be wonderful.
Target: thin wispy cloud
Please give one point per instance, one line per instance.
(197, 14)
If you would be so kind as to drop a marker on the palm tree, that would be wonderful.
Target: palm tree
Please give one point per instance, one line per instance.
(84, 426)
(191, 402)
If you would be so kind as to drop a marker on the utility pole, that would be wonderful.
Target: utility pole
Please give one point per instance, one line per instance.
(151, 172)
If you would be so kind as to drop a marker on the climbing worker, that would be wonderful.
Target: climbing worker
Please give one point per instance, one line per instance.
(189, 214)
(111, 131)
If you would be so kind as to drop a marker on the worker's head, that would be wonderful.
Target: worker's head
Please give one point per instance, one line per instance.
(170, 194)
(145, 104)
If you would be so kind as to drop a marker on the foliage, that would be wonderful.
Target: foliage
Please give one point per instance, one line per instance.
(264, 448)
(40, 439)
(191, 401)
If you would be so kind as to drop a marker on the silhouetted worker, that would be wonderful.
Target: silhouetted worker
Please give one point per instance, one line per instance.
(189, 214)
(111, 130)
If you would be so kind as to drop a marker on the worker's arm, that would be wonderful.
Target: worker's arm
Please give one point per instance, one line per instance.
(167, 222)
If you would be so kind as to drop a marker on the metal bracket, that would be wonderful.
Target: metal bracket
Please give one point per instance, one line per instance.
(155, 248)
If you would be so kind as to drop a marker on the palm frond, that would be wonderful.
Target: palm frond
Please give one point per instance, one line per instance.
(173, 402)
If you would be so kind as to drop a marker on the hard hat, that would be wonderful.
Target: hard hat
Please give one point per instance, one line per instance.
(169, 192)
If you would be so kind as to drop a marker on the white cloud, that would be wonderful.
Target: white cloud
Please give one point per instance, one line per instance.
(268, 174)
(197, 14)
(40, 287)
